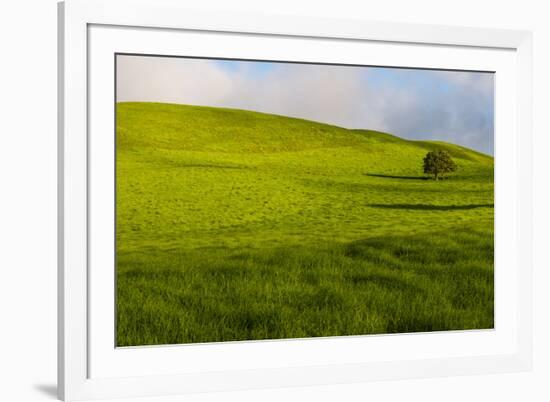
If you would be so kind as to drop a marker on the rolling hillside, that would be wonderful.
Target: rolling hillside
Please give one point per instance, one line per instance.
(235, 225)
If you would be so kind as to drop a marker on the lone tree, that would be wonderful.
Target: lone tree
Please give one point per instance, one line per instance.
(438, 162)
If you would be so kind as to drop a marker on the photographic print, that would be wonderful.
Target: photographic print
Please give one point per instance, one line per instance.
(262, 200)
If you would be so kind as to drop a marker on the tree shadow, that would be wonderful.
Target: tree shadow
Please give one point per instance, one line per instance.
(389, 176)
(428, 207)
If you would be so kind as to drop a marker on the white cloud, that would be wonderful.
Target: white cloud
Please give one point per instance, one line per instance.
(156, 79)
(321, 93)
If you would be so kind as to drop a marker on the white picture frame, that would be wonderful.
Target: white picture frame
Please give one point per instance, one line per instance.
(90, 367)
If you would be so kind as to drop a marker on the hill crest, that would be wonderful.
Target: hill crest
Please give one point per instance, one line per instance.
(206, 128)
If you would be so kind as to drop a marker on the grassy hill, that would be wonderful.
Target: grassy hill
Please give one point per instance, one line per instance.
(235, 225)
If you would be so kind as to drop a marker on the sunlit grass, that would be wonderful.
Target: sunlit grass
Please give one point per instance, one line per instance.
(234, 225)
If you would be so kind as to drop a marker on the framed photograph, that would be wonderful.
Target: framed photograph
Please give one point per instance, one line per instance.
(254, 201)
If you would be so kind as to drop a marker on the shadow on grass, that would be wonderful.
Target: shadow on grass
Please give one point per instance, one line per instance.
(389, 176)
(429, 207)
(207, 166)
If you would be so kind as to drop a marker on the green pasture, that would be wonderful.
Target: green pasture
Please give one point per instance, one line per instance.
(237, 225)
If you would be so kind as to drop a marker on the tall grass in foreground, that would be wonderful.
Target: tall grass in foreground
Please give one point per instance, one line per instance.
(440, 281)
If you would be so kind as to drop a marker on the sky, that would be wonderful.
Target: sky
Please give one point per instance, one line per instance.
(452, 106)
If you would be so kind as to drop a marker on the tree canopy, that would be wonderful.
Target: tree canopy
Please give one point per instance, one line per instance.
(438, 162)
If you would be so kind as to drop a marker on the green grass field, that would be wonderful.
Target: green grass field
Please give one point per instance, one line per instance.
(237, 225)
